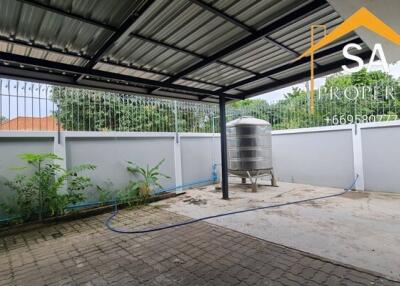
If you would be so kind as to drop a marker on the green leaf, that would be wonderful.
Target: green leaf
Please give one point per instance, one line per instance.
(39, 194)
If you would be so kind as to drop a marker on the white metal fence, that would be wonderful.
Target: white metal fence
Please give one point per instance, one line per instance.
(31, 107)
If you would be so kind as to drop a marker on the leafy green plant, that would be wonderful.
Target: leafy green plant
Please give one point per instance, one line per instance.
(49, 190)
(150, 179)
(128, 195)
(104, 192)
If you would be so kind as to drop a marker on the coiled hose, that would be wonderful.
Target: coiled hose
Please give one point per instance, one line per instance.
(162, 227)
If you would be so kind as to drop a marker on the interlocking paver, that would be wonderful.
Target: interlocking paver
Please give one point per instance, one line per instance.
(84, 252)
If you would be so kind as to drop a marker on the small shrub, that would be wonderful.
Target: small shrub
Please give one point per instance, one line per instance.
(105, 193)
(150, 179)
(128, 195)
(49, 190)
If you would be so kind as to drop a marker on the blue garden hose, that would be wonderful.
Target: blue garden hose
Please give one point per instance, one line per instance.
(162, 227)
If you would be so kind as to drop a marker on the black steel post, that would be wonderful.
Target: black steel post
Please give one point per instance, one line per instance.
(224, 152)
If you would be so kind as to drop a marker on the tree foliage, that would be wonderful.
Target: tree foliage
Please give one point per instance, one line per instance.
(89, 110)
(332, 102)
(99, 111)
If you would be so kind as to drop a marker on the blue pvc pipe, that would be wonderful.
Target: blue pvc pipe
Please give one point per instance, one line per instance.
(168, 190)
(113, 202)
(6, 220)
(209, 180)
(213, 179)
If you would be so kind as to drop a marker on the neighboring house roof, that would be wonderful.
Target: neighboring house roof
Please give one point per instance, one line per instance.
(48, 123)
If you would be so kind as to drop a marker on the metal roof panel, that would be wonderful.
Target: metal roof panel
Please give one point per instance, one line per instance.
(180, 46)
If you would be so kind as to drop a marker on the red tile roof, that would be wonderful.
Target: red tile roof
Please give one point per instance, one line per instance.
(30, 124)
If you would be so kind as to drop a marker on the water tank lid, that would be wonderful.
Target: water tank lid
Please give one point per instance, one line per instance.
(247, 120)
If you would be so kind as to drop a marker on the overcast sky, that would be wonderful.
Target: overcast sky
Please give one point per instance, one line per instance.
(280, 93)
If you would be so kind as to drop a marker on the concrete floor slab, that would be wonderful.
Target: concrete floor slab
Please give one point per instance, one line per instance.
(84, 252)
(360, 229)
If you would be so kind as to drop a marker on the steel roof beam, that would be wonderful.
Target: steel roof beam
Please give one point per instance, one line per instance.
(221, 14)
(34, 45)
(67, 14)
(161, 73)
(181, 50)
(285, 20)
(46, 48)
(83, 71)
(121, 32)
(165, 45)
(37, 76)
(102, 25)
(238, 23)
(291, 64)
(320, 71)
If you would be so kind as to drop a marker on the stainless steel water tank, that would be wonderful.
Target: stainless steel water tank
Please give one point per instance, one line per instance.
(249, 146)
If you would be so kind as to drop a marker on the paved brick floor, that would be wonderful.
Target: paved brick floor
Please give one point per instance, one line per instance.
(83, 252)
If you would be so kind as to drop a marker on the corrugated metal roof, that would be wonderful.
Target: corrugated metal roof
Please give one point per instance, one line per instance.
(220, 74)
(188, 26)
(34, 24)
(255, 13)
(40, 53)
(258, 56)
(256, 83)
(157, 43)
(197, 84)
(129, 71)
(297, 36)
(150, 55)
(263, 55)
(104, 11)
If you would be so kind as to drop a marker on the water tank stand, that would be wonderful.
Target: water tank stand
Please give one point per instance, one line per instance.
(273, 179)
(253, 179)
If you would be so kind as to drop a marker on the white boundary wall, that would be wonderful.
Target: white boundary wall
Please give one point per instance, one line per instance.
(333, 156)
(317, 156)
(325, 156)
(189, 157)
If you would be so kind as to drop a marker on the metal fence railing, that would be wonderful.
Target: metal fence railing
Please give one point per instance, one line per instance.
(30, 106)
(26, 106)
